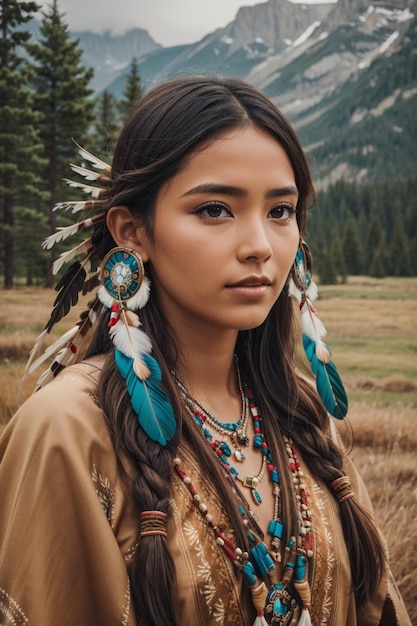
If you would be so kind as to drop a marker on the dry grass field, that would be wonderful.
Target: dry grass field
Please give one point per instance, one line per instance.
(372, 330)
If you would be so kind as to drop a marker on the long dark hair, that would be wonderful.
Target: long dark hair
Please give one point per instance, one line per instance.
(168, 125)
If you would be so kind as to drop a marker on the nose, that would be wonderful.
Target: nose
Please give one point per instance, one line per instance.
(254, 242)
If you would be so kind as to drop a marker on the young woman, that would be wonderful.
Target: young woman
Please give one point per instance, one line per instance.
(183, 470)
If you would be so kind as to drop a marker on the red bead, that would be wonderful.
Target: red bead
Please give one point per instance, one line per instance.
(308, 541)
(73, 348)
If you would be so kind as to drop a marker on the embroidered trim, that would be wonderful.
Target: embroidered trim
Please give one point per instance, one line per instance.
(131, 552)
(126, 606)
(105, 493)
(10, 611)
(327, 559)
(209, 590)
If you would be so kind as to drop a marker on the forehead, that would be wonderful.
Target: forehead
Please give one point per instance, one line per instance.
(240, 156)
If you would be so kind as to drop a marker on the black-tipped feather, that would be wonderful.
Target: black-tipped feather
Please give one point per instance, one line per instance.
(68, 288)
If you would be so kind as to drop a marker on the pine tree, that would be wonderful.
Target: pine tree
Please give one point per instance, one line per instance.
(377, 266)
(133, 90)
(63, 101)
(374, 237)
(351, 247)
(19, 145)
(400, 255)
(336, 253)
(107, 125)
(328, 275)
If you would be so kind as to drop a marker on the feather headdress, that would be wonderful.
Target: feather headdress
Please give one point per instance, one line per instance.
(303, 289)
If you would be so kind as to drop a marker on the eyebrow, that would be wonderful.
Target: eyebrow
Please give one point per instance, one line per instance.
(240, 192)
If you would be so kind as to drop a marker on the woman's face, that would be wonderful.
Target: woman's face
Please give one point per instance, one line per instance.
(225, 234)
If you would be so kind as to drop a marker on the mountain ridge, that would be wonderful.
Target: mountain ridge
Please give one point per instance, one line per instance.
(345, 74)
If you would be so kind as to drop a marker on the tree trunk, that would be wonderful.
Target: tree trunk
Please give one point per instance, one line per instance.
(9, 248)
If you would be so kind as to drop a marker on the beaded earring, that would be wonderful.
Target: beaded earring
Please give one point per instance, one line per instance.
(125, 289)
(303, 290)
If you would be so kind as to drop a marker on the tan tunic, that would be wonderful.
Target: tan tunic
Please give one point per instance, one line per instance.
(69, 528)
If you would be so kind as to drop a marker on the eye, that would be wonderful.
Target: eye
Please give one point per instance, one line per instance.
(282, 211)
(214, 210)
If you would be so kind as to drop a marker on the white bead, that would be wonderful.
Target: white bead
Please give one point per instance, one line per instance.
(202, 507)
(197, 497)
(209, 518)
(187, 480)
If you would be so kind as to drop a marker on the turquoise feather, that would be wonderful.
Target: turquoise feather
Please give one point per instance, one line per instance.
(328, 382)
(148, 398)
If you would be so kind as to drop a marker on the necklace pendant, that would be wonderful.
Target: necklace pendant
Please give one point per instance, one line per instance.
(250, 481)
(242, 439)
(239, 456)
(280, 605)
(256, 497)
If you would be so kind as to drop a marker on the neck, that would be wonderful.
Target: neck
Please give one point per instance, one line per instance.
(208, 371)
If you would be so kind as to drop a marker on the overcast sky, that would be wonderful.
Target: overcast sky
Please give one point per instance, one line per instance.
(169, 22)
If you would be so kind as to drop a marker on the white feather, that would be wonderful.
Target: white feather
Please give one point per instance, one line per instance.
(312, 326)
(95, 192)
(36, 350)
(84, 172)
(97, 163)
(104, 297)
(82, 248)
(44, 378)
(75, 207)
(64, 357)
(140, 298)
(312, 291)
(130, 340)
(54, 348)
(63, 232)
(293, 290)
(305, 618)
(260, 621)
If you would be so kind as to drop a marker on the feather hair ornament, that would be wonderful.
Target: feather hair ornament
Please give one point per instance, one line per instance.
(95, 192)
(304, 291)
(124, 289)
(148, 398)
(81, 276)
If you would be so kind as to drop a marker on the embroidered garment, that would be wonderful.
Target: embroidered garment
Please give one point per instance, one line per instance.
(69, 529)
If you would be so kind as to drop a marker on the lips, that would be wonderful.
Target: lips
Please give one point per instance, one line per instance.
(252, 281)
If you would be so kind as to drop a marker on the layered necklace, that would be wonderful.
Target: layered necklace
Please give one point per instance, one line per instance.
(277, 604)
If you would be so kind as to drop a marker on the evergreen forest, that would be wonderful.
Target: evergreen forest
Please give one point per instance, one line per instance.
(48, 105)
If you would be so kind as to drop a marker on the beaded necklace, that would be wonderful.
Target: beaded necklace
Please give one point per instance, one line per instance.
(236, 431)
(277, 603)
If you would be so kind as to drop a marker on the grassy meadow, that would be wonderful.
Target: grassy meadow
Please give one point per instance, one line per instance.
(372, 330)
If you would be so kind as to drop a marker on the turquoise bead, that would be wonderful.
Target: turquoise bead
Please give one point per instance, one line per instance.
(257, 441)
(275, 476)
(275, 528)
(256, 496)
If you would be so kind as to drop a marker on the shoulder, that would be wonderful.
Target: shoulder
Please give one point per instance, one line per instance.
(63, 415)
